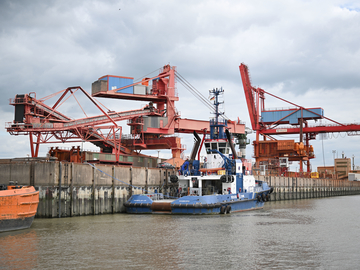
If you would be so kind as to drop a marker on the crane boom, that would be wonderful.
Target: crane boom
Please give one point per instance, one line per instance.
(151, 127)
(254, 97)
(270, 122)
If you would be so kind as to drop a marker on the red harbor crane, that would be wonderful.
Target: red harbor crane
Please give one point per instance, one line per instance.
(152, 127)
(271, 122)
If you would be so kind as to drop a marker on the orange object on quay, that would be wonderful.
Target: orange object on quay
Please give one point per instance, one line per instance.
(18, 206)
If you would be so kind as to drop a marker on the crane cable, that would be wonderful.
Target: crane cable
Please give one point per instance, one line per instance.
(197, 94)
(136, 80)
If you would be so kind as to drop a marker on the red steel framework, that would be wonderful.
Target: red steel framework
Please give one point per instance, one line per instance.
(45, 124)
(255, 98)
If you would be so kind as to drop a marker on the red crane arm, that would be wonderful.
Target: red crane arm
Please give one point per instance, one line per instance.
(249, 95)
(191, 125)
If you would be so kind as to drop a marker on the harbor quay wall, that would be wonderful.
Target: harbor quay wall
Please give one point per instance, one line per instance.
(294, 188)
(74, 189)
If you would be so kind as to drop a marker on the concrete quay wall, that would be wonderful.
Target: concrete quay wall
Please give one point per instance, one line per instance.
(73, 189)
(83, 189)
(293, 188)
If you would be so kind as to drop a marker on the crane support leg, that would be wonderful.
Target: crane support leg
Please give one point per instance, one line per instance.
(34, 153)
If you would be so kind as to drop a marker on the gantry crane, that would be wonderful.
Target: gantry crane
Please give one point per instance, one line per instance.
(152, 127)
(271, 122)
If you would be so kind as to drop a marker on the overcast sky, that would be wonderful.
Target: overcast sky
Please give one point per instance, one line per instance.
(307, 52)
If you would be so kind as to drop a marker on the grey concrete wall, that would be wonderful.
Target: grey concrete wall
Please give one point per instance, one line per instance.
(17, 172)
(290, 188)
(91, 191)
(84, 190)
(138, 176)
(154, 177)
(103, 176)
(82, 175)
(123, 174)
(5, 170)
(45, 174)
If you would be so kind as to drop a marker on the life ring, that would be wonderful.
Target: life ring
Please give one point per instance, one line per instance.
(222, 209)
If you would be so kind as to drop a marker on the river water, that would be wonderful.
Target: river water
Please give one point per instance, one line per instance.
(302, 234)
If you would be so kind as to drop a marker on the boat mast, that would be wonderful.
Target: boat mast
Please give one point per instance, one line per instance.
(217, 126)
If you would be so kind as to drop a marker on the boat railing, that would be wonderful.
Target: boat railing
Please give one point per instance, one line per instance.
(254, 189)
(156, 196)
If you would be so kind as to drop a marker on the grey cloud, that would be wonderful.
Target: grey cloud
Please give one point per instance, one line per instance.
(301, 46)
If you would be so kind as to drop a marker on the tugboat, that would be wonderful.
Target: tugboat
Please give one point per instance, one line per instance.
(222, 186)
(18, 206)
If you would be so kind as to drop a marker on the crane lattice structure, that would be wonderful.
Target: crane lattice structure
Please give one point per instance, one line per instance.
(271, 122)
(152, 127)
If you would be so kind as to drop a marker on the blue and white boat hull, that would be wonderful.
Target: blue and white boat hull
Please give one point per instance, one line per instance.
(188, 205)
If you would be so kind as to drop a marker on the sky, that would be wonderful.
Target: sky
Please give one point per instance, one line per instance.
(307, 52)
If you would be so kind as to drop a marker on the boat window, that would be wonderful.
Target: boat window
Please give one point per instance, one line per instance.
(222, 144)
(207, 147)
(227, 150)
(214, 146)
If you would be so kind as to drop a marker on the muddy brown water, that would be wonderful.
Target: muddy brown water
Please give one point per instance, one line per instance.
(300, 234)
